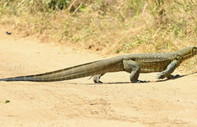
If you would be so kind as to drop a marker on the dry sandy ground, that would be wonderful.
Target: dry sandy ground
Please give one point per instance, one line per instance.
(80, 103)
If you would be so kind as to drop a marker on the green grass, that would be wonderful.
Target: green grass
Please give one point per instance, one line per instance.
(109, 26)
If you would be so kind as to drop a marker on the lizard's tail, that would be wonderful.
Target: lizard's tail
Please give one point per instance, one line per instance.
(83, 70)
(59, 75)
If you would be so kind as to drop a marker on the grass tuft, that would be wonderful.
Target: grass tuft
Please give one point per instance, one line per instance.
(109, 26)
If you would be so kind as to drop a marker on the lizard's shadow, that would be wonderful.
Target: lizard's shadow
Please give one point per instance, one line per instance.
(181, 76)
(100, 84)
(163, 80)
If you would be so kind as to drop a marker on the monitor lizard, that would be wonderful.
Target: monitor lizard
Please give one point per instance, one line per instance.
(165, 63)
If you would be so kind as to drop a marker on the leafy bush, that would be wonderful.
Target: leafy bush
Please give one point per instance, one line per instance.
(58, 4)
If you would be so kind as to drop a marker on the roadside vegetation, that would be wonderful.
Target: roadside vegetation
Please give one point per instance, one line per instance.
(110, 26)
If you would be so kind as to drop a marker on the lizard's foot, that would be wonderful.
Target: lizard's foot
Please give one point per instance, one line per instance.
(161, 75)
(96, 78)
(98, 82)
(139, 81)
(173, 76)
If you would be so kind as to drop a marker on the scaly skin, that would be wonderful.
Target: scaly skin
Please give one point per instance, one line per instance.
(165, 63)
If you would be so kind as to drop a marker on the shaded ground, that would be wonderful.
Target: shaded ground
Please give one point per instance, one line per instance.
(81, 103)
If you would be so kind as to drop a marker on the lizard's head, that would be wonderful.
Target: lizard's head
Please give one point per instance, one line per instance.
(194, 50)
(188, 52)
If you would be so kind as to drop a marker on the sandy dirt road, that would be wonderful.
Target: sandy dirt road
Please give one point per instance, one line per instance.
(80, 103)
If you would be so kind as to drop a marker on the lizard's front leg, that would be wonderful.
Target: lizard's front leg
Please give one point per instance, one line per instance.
(170, 68)
(133, 68)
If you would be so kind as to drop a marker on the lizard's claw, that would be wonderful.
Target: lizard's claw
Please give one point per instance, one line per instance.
(173, 76)
(96, 79)
(140, 81)
(161, 75)
(98, 82)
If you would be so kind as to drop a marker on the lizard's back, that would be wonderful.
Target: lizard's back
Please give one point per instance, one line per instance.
(151, 62)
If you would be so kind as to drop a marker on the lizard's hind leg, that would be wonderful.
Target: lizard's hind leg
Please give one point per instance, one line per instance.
(96, 78)
(133, 68)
